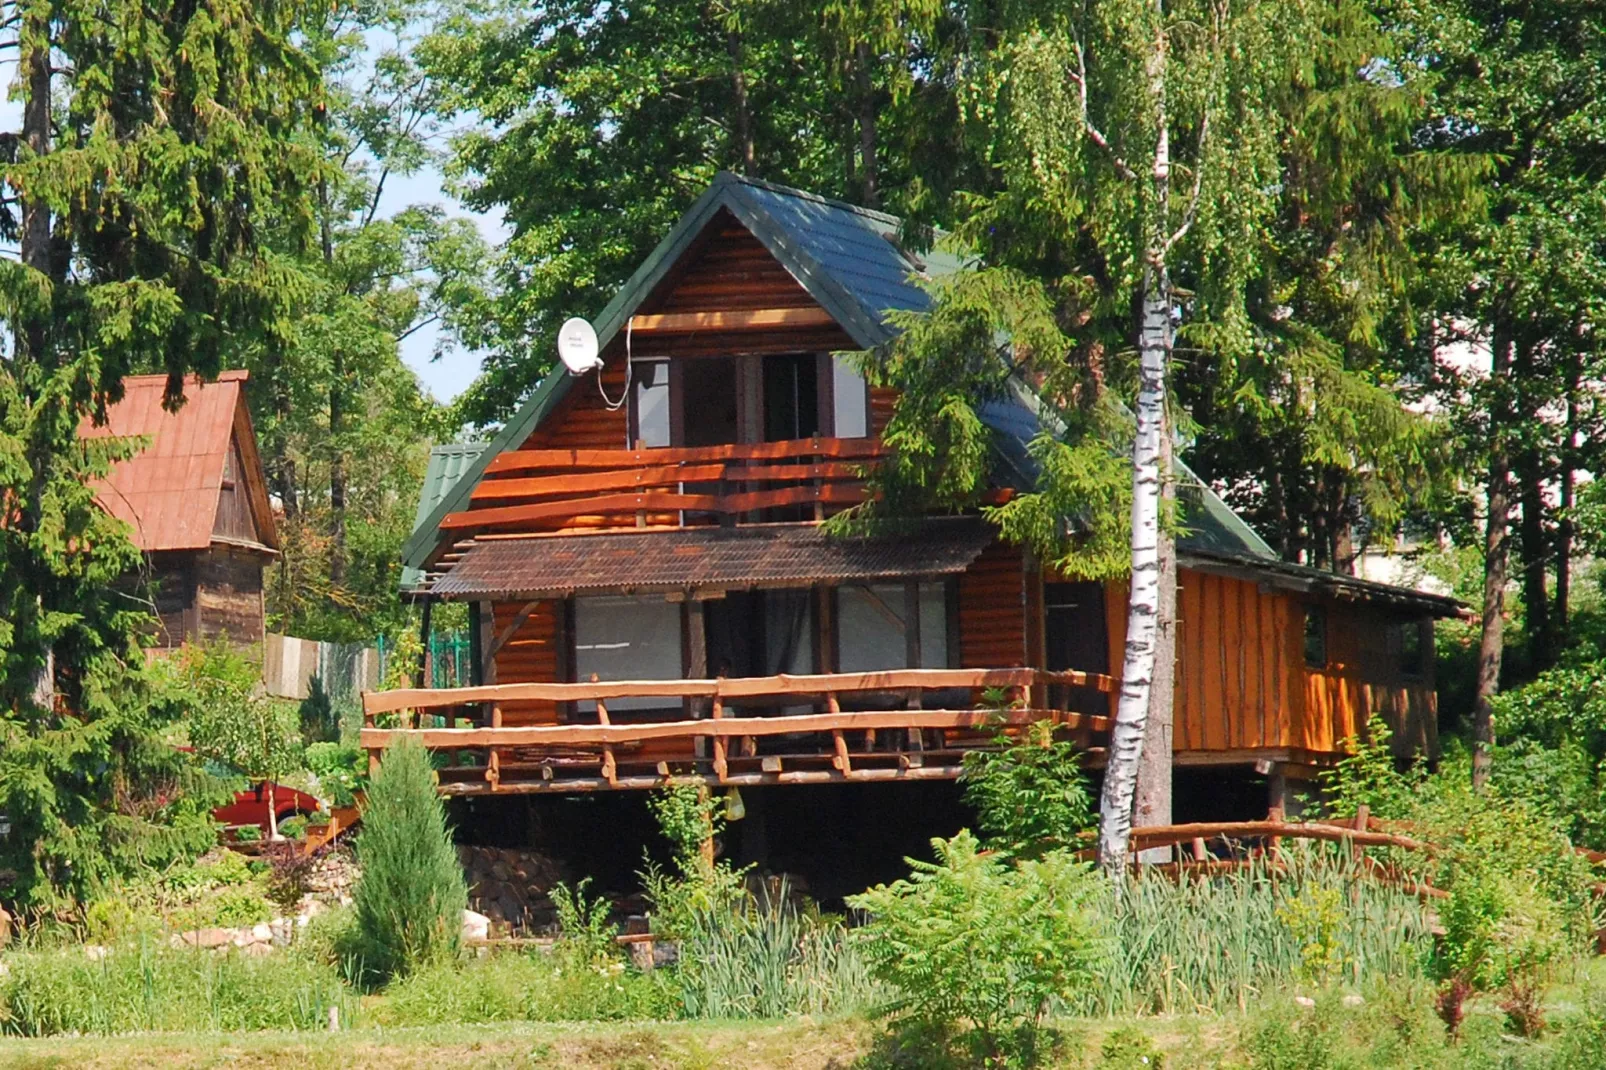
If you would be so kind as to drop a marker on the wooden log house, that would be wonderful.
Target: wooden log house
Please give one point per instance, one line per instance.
(196, 500)
(653, 596)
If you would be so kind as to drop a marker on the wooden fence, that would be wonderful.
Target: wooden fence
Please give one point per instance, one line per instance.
(722, 741)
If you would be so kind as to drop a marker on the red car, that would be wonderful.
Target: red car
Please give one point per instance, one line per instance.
(251, 807)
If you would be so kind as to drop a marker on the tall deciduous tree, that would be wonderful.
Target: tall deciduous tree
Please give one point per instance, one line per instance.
(1522, 84)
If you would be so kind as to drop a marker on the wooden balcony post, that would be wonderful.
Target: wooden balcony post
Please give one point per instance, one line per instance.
(717, 713)
(610, 768)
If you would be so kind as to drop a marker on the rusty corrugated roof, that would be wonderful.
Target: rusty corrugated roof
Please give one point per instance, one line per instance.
(778, 555)
(168, 492)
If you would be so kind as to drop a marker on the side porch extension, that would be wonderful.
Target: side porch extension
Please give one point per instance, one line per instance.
(905, 724)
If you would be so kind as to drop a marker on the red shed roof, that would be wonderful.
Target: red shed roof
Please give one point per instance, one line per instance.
(168, 492)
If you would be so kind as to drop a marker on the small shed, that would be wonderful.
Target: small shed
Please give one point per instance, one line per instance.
(197, 501)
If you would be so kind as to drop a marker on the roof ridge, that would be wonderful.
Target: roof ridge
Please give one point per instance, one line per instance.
(230, 375)
(805, 195)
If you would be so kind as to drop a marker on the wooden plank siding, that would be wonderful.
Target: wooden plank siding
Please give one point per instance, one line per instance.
(992, 610)
(1241, 679)
(534, 654)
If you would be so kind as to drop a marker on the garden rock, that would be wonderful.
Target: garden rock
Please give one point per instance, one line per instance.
(510, 886)
(476, 926)
(206, 938)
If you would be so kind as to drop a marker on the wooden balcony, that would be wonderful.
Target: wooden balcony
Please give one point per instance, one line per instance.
(527, 490)
(859, 727)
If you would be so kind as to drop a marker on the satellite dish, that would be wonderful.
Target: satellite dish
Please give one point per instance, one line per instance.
(577, 346)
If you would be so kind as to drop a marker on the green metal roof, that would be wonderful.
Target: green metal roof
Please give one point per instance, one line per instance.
(446, 466)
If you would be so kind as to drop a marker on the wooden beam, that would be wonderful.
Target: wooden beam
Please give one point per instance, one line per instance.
(784, 684)
(589, 482)
(647, 783)
(608, 736)
(512, 629)
(665, 501)
(751, 319)
(566, 461)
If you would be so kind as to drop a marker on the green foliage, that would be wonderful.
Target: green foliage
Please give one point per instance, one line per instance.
(1224, 942)
(1030, 794)
(410, 898)
(773, 959)
(1128, 1049)
(1369, 775)
(248, 833)
(147, 986)
(510, 986)
(586, 929)
(698, 887)
(342, 771)
(320, 724)
(986, 945)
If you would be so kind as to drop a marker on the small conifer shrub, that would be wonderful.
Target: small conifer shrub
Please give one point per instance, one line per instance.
(409, 900)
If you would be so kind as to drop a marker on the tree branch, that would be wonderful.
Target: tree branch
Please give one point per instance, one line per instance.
(1094, 134)
(1192, 211)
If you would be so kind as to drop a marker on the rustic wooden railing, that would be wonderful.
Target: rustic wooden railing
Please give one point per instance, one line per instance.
(538, 486)
(723, 742)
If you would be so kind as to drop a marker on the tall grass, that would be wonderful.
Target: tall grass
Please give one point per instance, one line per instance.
(772, 960)
(148, 987)
(1223, 942)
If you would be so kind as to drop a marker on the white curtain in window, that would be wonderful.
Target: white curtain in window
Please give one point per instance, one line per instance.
(851, 417)
(623, 637)
(871, 633)
(652, 402)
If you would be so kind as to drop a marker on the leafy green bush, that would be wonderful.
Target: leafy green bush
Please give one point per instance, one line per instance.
(410, 898)
(586, 928)
(977, 942)
(248, 834)
(698, 885)
(342, 771)
(150, 987)
(1030, 795)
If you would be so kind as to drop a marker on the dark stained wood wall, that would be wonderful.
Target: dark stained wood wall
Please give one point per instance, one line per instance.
(228, 594)
(992, 610)
(234, 519)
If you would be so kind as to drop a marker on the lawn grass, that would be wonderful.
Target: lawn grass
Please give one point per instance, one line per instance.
(800, 1043)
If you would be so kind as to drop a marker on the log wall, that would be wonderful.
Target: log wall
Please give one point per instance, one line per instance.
(992, 610)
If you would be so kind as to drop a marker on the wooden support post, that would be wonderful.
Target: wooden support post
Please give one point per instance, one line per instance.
(721, 760)
(770, 763)
(493, 769)
(663, 770)
(840, 761)
(1362, 813)
(610, 768)
(1275, 815)
(749, 747)
(911, 761)
(1200, 854)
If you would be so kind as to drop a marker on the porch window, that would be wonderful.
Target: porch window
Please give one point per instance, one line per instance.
(873, 627)
(625, 637)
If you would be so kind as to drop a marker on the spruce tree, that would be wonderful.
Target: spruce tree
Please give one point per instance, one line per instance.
(157, 142)
(411, 895)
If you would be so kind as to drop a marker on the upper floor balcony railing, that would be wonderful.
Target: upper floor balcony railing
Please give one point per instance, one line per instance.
(733, 731)
(669, 486)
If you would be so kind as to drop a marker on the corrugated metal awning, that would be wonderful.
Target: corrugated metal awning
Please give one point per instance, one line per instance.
(782, 555)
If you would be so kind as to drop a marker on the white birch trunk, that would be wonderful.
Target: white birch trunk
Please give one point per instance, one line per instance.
(1154, 771)
(1143, 605)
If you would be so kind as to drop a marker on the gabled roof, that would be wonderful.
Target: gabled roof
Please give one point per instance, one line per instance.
(168, 492)
(848, 259)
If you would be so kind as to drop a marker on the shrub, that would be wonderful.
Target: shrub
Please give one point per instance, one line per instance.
(699, 886)
(248, 834)
(410, 898)
(977, 942)
(1030, 795)
(586, 929)
(342, 771)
